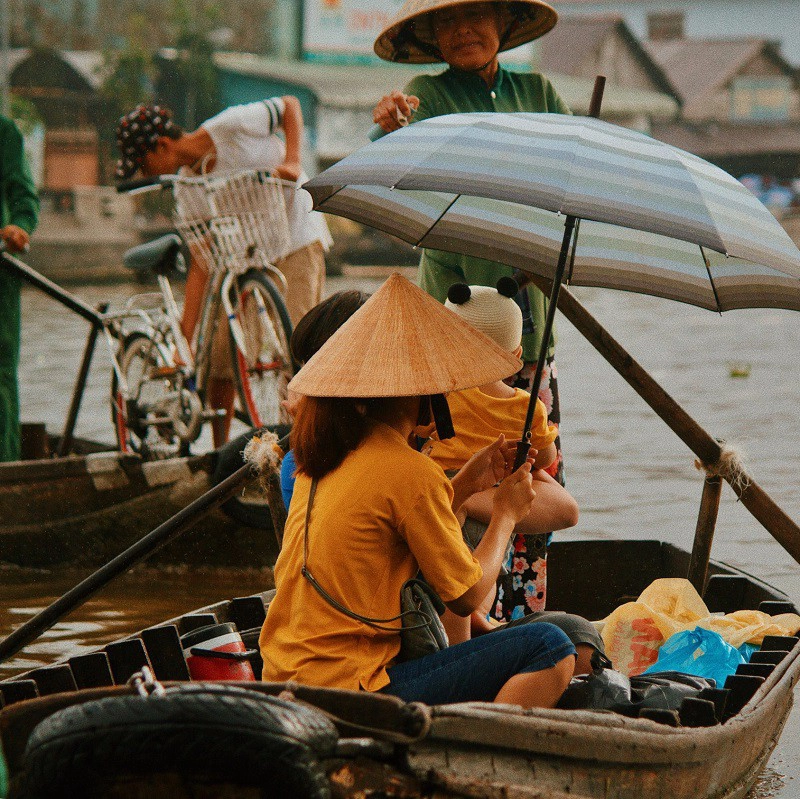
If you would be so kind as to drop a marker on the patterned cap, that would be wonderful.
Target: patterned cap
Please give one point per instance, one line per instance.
(492, 311)
(137, 134)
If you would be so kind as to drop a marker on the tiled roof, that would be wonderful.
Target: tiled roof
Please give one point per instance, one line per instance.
(698, 67)
(576, 39)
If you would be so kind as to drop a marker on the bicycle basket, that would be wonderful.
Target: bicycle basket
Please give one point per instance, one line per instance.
(235, 221)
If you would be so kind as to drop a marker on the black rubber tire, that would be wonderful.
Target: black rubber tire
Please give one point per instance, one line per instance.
(206, 731)
(230, 460)
(257, 281)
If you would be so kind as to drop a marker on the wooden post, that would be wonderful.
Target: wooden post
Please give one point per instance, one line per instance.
(704, 533)
(277, 510)
(780, 526)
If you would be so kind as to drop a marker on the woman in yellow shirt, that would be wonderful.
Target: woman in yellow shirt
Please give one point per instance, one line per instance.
(369, 511)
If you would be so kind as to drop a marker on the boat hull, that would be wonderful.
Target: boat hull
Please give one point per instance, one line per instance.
(489, 751)
(85, 509)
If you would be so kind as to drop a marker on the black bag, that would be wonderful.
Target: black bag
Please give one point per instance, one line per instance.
(421, 630)
(606, 689)
(422, 633)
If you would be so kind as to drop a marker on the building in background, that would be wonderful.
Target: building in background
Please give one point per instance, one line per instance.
(776, 20)
(63, 86)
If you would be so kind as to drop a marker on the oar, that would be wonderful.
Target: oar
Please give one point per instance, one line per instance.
(780, 526)
(136, 553)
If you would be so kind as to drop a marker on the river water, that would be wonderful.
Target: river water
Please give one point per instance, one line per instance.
(631, 475)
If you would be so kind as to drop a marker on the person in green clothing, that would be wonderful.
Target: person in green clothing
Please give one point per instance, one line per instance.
(468, 36)
(19, 213)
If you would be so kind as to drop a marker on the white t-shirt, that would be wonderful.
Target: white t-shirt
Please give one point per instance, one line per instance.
(244, 138)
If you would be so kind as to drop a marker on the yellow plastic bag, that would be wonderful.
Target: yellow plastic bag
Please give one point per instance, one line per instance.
(635, 631)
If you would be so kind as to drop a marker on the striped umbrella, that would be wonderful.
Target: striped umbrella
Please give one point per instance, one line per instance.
(483, 184)
(606, 256)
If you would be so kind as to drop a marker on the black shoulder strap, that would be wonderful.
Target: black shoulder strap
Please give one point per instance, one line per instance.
(377, 624)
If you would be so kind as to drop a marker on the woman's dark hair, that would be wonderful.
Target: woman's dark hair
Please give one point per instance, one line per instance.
(322, 321)
(327, 429)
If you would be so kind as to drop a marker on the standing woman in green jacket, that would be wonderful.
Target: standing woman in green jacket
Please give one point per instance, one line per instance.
(19, 213)
(467, 36)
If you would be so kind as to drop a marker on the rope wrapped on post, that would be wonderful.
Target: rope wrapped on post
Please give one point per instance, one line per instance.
(263, 453)
(729, 466)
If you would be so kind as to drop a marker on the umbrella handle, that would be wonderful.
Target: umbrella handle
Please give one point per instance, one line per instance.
(523, 448)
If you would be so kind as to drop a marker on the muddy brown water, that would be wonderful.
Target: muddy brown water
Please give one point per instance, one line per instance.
(631, 476)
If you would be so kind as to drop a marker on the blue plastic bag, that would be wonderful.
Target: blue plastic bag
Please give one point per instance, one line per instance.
(701, 652)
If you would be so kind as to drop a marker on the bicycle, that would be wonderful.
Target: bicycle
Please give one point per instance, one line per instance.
(235, 225)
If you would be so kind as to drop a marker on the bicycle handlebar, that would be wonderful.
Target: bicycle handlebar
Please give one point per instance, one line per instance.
(167, 181)
(139, 184)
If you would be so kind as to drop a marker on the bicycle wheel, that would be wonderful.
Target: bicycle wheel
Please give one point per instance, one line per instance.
(154, 394)
(263, 365)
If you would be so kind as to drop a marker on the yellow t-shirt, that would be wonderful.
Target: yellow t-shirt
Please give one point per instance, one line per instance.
(384, 513)
(478, 420)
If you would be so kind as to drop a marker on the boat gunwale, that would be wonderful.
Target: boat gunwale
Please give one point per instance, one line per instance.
(621, 737)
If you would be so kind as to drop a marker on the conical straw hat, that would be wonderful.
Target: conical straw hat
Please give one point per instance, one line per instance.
(403, 343)
(409, 36)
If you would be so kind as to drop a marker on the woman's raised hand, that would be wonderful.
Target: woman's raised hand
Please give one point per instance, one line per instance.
(515, 495)
(395, 110)
(488, 466)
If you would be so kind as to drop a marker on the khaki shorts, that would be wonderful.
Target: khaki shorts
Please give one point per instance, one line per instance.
(221, 364)
(304, 270)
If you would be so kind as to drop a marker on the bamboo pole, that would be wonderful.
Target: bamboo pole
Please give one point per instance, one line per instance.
(780, 526)
(704, 533)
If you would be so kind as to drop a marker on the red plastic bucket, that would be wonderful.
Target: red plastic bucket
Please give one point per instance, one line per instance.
(216, 652)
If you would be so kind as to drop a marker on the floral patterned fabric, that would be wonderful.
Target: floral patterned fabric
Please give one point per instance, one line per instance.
(522, 589)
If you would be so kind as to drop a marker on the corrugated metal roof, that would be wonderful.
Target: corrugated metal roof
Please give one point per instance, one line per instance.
(361, 86)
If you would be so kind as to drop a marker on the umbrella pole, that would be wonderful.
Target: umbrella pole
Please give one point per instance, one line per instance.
(524, 445)
(764, 509)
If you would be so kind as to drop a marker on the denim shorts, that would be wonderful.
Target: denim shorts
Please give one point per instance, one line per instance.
(476, 670)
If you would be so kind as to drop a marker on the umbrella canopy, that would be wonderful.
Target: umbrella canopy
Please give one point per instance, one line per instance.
(473, 183)
(607, 256)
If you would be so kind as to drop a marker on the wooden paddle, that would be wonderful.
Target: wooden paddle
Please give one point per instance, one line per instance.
(136, 553)
(780, 526)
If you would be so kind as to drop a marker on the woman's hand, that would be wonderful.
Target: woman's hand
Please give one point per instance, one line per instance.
(395, 110)
(15, 237)
(515, 495)
(486, 468)
(288, 170)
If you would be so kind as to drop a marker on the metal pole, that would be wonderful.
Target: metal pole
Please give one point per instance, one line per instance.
(65, 441)
(525, 442)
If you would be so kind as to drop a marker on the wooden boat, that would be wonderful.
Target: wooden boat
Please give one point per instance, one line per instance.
(471, 749)
(85, 508)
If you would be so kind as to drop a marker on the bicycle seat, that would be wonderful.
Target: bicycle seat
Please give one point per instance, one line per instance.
(160, 255)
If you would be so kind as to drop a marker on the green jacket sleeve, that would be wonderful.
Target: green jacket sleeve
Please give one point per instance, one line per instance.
(20, 198)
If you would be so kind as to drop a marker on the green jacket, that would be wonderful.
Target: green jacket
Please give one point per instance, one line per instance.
(453, 92)
(19, 205)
